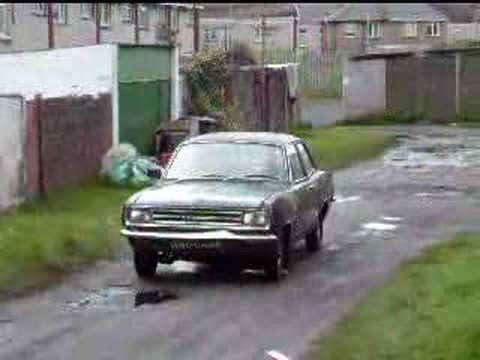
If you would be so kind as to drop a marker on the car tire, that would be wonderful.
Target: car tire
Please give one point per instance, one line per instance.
(314, 239)
(145, 263)
(279, 262)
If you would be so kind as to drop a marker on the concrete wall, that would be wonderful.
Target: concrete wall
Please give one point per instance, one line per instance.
(60, 72)
(12, 141)
(364, 87)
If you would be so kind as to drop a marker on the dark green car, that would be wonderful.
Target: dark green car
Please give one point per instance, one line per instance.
(236, 198)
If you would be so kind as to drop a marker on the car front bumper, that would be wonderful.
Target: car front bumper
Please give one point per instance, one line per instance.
(206, 246)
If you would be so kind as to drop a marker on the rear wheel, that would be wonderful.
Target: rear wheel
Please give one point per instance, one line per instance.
(145, 263)
(315, 237)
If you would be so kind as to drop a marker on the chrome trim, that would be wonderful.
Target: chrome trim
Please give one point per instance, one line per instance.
(208, 235)
(195, 226)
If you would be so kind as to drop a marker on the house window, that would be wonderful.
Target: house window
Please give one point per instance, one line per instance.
(411, 30)
(303, 36)
(87, 11)
(126, 13)
(41, 9)
(257, 36)
(4, 22)
(105, 15)
(351, 30)
(175, 18)
(162, 15)
(374, 30)
(60, 13)
(142, 17)
(433, 29)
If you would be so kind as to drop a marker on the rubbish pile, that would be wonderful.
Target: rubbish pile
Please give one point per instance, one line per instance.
(123, 166)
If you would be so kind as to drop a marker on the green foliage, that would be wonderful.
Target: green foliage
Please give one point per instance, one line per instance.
(429, 310)
(387, 118)
(45, 239)
(339, 147)
(208, 77)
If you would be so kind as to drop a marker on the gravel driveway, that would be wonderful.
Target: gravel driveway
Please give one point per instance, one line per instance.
(425, 189)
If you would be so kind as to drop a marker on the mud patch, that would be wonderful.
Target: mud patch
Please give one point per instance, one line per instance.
(153, 297)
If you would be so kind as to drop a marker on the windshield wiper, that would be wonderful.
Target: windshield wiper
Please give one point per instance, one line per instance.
(263, 176)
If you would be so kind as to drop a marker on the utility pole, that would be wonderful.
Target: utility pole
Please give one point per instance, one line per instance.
(264, 75)
(51, 37)
(135, 23)
(97, 23)
(196, 29)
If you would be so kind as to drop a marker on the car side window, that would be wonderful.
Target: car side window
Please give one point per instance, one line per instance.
(298, 171)
(306, 160)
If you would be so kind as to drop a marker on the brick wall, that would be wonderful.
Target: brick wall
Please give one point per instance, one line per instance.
(73, 133)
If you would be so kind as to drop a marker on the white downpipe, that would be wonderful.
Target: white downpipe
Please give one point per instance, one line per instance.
(175, 85)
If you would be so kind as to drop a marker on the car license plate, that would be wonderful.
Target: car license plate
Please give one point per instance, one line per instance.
(194, 245)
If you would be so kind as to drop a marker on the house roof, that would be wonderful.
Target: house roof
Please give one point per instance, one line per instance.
(314, 13)
(457, 12)
(388, 11)
(247, 10)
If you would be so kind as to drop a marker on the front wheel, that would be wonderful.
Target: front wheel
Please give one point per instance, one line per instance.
(145, 263)
(279, 262)
(315, 237)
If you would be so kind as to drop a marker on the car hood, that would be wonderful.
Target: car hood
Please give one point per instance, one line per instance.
(208, 193)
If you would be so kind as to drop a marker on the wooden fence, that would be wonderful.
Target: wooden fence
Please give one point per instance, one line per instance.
(319, 73)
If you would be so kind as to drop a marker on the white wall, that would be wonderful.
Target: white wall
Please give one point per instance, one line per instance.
(12, 173)
(459, 32)
(59, 72)
(364, 87)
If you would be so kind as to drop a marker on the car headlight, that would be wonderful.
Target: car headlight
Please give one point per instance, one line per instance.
(139, 216)
(256, 218)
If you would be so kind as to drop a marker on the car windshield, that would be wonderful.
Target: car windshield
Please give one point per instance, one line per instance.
(228, 160)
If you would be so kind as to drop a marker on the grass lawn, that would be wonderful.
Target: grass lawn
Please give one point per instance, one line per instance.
(429, 310)
(341, 146)
(42, 241)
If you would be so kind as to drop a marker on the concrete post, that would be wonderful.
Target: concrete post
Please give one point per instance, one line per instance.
(458, 76)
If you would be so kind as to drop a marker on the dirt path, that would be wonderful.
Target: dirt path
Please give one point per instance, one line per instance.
(425, 189)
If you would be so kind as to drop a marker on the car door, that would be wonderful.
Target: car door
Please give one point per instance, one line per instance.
(300, 192)
(314, 185)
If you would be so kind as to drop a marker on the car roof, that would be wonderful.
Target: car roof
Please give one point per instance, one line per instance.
(250, 136)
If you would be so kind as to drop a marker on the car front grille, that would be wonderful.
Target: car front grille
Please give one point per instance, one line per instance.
(197, 216)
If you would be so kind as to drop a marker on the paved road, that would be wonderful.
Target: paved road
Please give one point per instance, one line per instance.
(425, 189)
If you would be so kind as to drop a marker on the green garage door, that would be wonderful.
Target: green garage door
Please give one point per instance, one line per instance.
(142, 107)
(144, 73)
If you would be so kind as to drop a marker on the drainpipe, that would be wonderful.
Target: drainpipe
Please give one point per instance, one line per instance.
(51, 39)
(135, 23)
(196, 29)
(97, 23)
(295, 33)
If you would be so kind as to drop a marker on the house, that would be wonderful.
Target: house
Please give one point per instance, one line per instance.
(383, 27)
(223, 24)
(26, 26)
(311, 32)
(464, 21)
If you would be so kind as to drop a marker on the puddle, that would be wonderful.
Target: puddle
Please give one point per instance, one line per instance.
(392, 218)
(422, 152)
(109, 297)
(340, 199)
(377, 226)
(275, 355)
(153, 297)
(437, 195)
(332, 247)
